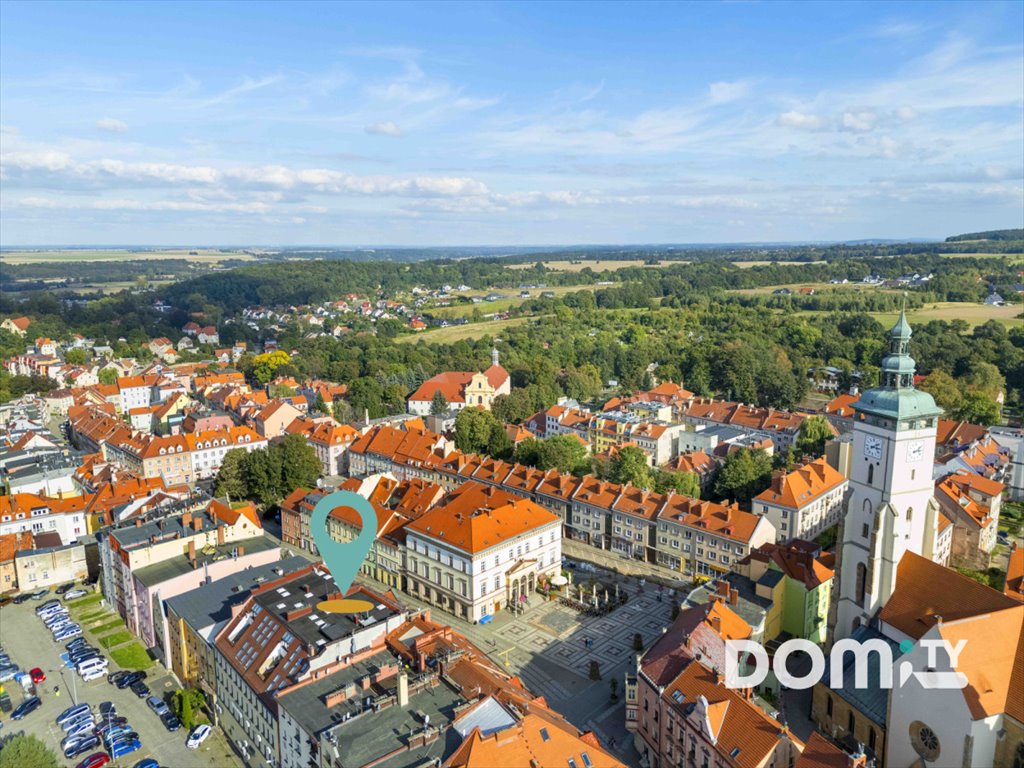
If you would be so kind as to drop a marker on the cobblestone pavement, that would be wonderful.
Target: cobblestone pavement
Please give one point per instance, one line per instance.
(624, 566)
(547, 648)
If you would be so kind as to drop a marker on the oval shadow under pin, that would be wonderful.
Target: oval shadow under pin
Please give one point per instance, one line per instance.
(345, 605)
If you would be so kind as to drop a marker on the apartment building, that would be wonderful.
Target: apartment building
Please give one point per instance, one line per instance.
(804, 503)
(276, 638)
(35, 513)
(482, 549)
(972, 503)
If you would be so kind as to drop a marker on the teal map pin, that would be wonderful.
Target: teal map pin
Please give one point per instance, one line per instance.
(343, 559)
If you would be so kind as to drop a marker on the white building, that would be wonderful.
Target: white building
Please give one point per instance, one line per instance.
(889, 509)
(805, 502)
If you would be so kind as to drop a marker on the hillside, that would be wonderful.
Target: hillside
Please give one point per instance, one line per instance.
(999, 235)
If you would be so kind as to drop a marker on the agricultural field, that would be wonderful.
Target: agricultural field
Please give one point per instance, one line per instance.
(455, 333)
(970, 312)
(199, 255)
(511, 299)
(608, 265)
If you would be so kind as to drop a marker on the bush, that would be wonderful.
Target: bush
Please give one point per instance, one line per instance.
(25, 751)
(188, 703)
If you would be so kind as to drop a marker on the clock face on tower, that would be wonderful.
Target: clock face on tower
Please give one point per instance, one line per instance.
(873, 447)
(915, 451)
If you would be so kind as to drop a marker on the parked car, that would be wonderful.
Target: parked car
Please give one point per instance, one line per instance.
(124, 748)
(116, 677)
(108, 708)
(37, 675)
(27, 707)
(80, 747)
(141, 690)
(8, 673)
(130, 679)
(40, 594)
(74, 594)
(198, 736)
(171, 722)
(94, 761)
(65, 588)
(71, 713)
(149, 762)
(23, 597)
(4, 600)
(46, 605)
(157, 705)
(112, 722)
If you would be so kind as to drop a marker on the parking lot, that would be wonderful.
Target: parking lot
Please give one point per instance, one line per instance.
(23, 636)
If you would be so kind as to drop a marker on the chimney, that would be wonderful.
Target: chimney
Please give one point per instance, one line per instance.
(241, 551)
(186, 520)
(723, 588)
(192, 552)
(734, 596)
(403, 689)
(197, 523)
(220, 535)
(138, 522)
(778, 476)
(716, 624)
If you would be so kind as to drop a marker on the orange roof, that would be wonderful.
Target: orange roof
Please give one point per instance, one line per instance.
(230, 513)
(21, 323)
(842, 405)
(329, 433)
(719, 519)
(739, 725)
(821, 753)
(451, 385)
(533, 741)
(697, 462)
(951, 432)
(12, 543)
(803, 485)
(477, 518)
(1014, 586)
(496, 376)
(955, 490)
(927, 590)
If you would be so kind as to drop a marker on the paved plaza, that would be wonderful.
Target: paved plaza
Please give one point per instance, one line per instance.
(546, 646)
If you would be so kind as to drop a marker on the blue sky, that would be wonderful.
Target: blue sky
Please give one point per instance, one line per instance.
(417, 124)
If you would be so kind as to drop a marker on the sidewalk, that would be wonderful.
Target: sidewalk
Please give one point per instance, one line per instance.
(625, 566)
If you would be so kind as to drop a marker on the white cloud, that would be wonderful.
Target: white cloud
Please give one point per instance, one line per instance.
(723, 92)
(906, 114)
(112, 124)
(384, 129)
(802, 120)
(859, 121)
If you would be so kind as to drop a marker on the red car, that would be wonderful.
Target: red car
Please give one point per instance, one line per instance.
(94, 761)
(37, 675)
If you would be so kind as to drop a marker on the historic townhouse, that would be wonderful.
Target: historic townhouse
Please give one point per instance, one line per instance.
(805, 502)
(481, 550)
(207, 449)
(33, 513)
(972, 503)
(704, 538)
(590, 520)
(634, 522)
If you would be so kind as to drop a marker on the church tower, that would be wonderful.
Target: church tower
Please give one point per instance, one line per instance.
(889, 505)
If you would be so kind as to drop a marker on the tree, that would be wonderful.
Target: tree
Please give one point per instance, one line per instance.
(319, 405)
(986, 378)
(300, 466)
(438, 403)
(108, 376)
(342, 411)
(563, 452)
(941, 386)
(266, 365)
(498, 443)
(75, 356)
(814, 433)
(231, 478)
(744, 474)
(685, 483)
(978, 408)
(263, 476)
(528, 452)
(27, 751)
(185, 710)
(629, 465)
(473, 430)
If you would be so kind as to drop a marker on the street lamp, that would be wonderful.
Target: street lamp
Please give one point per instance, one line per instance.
(73, 686)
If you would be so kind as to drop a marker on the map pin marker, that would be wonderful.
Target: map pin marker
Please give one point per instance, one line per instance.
(343, 559)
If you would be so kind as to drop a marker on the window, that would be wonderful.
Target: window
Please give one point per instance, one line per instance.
(828, 706)
(850, 722)
(924, 741)
(864, 531)
(862, 573)
(910, 513)
(871, 474)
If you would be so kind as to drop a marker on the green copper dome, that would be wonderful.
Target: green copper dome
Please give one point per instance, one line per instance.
(896, 398)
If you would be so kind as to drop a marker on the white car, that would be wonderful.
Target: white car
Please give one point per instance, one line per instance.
(198, 736)
(74, 594)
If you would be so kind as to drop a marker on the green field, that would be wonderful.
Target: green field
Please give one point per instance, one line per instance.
(132, 657)
(511, 299)
(459, 332)
(972, 313)
(41, 256)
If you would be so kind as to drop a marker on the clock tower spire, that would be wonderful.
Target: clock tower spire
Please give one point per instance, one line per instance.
(889, 505)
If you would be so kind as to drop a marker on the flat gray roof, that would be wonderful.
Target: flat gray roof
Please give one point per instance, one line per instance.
(176, 566)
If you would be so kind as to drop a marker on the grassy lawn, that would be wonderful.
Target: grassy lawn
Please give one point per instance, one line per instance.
(87, 615)
(116, 639)
(132, 656)
(459, 332)
(111, 625)
(511, 299)
(84, 602)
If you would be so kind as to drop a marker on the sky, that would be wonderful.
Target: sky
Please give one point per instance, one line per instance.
(519, 124)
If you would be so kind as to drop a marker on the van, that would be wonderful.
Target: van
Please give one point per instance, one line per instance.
(91, 665)
(94, 674)
(72, 713)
